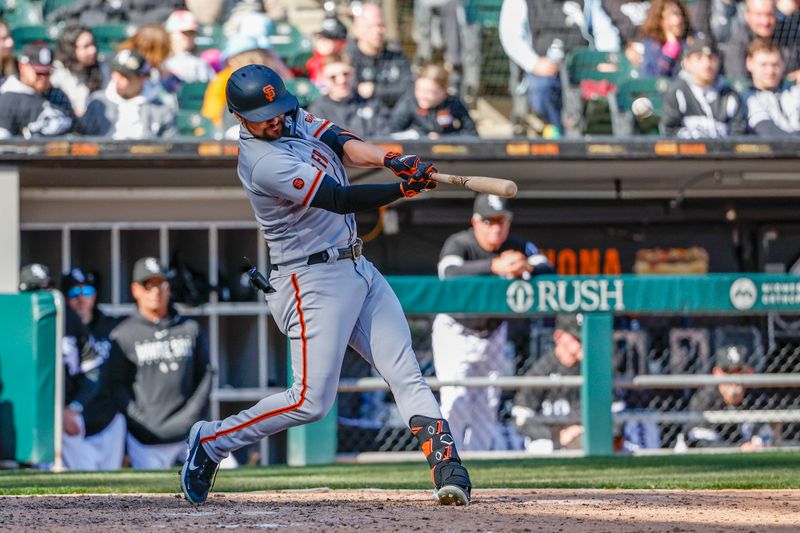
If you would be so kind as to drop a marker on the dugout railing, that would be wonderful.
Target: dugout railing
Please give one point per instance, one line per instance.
(600, 299)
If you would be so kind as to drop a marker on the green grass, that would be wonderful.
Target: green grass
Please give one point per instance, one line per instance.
(768, 470)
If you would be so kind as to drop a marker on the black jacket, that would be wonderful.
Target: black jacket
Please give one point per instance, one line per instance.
(719, 114)
(81, 361)
(160, 376)
(448, 118)
(365, 118)
(99, 412)
(389, 70)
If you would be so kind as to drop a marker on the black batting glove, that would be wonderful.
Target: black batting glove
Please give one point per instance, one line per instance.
(412, 187)
(408, 166)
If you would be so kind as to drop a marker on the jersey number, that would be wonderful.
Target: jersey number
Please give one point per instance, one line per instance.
(319, 160)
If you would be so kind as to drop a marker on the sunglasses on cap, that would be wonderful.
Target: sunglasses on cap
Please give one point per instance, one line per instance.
(81, 290)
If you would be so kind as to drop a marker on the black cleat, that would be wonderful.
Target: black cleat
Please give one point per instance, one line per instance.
(455, 484)
(199, 471)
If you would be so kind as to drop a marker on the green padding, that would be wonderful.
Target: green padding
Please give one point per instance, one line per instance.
(718, 293)
(27, 377)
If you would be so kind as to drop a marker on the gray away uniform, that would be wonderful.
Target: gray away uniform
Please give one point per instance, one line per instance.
(322, 307)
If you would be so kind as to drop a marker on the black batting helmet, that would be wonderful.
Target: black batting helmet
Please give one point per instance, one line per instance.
(257, 93)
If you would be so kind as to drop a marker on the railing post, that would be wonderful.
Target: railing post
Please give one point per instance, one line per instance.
(314, 443)
(597, 385)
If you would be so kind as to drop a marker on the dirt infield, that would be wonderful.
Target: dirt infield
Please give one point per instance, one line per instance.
(380, 510)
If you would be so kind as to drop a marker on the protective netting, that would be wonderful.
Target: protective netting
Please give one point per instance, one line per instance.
(666, 417)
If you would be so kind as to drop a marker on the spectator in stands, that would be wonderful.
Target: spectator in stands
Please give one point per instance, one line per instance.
(558, 401)
(717, 18)
(183, 62)
(8, 66)
(773, 109)
(29, 105)
(152, 42)
(90, 13)
(730, 360)
(430, 111)
(77, 70)
(664, 37)
(329, 40)
(122, 110)
(101, 444)
(81, 366)
(381, 71)
(343, 106)
(699, 104)
(536, 34)
(627, 17)
(762, 23)
(453, 19)
(159, 371)
(240, 50)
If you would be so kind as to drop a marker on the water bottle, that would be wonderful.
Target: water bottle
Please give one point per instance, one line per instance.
(556, 51)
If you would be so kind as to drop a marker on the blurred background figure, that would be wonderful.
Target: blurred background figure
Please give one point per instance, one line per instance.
(81, 369)
(381, 71)
(730, 360)
(77, 70)
(537, 36)
(697, 103)
(664, 37)
(331, 39)
(343, 106)
(240, 50)
(451, 15)
(153, 44)
(183, 62)
(101, 444)
(773, 108)
(558, 402)
(159, 370)
(123, 110)
(430, 111)
(29, 105)
(476, 347)
(8, 67)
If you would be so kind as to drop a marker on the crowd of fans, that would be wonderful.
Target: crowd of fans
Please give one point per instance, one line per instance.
(732, 65)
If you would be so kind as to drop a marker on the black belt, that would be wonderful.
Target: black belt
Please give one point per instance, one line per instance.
(351, 252)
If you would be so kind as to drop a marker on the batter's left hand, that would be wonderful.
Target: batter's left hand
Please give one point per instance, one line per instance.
(413, 187)
(407, 167)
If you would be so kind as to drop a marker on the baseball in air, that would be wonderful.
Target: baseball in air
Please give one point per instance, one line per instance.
(642, 107)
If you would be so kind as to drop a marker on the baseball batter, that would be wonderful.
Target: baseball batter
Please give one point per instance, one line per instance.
(324, 294)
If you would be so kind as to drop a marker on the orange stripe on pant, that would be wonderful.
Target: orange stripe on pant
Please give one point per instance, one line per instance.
(289, 408)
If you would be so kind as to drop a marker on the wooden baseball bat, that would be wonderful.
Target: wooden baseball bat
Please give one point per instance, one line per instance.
(498, 186)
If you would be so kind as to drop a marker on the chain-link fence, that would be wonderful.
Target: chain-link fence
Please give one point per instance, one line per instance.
(665, 394)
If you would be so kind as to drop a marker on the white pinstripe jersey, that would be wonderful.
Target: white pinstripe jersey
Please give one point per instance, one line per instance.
(281, 178)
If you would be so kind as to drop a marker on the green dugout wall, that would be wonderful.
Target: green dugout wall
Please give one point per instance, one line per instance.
(599, 299)
(29, 383)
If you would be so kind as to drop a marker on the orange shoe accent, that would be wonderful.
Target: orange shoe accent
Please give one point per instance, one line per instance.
(303, 390)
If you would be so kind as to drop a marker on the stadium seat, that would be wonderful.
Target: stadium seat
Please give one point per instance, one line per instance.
(193, 124)
(190, 96)
(303, 89)
(24, 35)
(20, 13)
(108, 36)
(290, 44)
(624, 121)
(486, 13)
(49, 6)
(586, 64)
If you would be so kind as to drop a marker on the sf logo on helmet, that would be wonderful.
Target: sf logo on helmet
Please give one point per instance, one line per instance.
(269, 92)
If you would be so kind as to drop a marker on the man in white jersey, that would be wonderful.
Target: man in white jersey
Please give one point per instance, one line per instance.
(324, 294)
